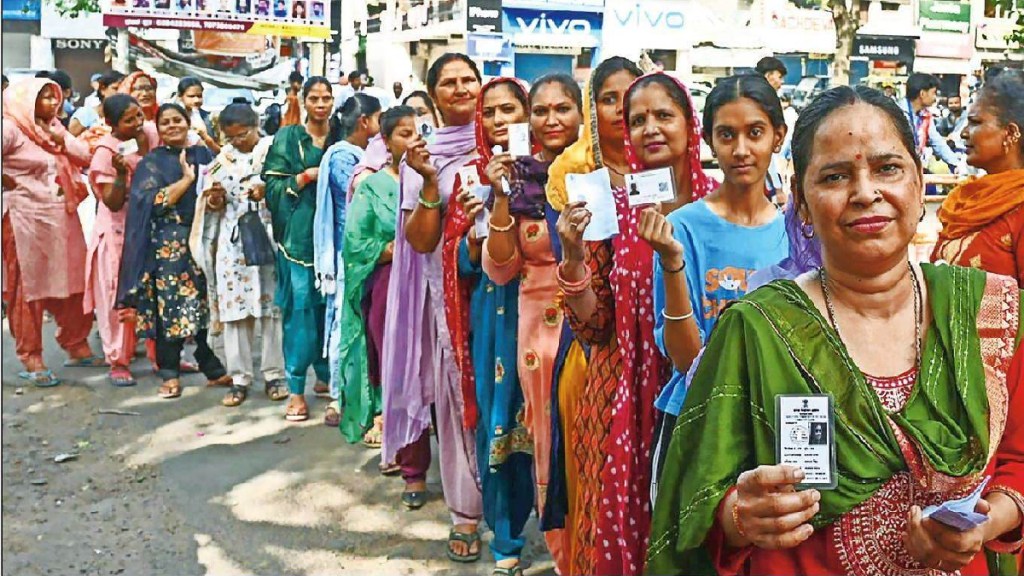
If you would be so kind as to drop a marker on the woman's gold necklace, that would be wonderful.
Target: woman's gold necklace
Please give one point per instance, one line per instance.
(918, 311)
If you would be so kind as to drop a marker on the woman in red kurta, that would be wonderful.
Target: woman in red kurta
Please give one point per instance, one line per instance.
(983, 219)
(43, 243)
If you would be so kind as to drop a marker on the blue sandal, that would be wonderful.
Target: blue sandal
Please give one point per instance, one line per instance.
(40, 379)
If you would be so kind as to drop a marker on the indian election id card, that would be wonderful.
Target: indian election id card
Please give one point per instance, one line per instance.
(128, 147)
(483, 218)
(469, 177)
(650, 187)
(805, 437)
(595, 189)
(519, 140)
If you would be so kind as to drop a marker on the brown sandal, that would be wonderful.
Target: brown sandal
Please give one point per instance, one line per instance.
(224, 381)
(322, 389)
(375, 435)
(332, 415)
(235, 396)
(170, 389)
(296, 412)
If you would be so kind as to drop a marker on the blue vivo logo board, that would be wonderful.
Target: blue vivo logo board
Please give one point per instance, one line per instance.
(552, 26)
(648, 15)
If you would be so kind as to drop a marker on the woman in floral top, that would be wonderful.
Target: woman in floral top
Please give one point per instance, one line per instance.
(241, 294)
(159, 278)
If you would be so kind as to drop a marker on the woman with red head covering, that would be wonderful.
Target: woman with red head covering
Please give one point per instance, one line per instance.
(43, 244)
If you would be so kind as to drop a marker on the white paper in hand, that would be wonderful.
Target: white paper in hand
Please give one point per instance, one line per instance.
(595, 189)
(650, 187)
(519, 140)
(128, 147)
(483, 219)
(959, 514)
(469, 177)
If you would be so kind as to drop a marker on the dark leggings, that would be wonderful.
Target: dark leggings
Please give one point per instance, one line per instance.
(168, 358)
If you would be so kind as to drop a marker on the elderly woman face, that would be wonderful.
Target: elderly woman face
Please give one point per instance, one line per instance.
(861, 190)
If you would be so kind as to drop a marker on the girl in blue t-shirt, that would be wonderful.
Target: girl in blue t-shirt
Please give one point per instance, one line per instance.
(707, 250)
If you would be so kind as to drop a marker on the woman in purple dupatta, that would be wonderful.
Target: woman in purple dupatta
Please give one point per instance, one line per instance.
(419, 368)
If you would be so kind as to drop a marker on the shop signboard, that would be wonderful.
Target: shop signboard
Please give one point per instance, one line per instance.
(21, 9)
(483, 16)
(489, 47)
(791, 30)
(945, 16)
(290, 18)
(884, 48)
(552, 27)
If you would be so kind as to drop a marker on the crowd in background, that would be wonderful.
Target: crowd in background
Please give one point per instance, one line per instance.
(611, 367)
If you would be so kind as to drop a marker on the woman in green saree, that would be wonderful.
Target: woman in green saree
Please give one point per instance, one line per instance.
(368, 247)
(922, 415)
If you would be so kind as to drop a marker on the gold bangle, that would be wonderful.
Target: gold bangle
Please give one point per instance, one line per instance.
(490, 224)
(736, 519)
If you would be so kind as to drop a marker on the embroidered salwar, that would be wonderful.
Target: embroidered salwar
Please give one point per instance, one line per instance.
(962, 422)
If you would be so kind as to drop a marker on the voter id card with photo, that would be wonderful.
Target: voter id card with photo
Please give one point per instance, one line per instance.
(650, 187)
(805, 437)
(469, 177)
(519, 140)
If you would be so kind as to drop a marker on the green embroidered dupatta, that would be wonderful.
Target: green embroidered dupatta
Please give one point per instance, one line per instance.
(369, 226)
(774, 341)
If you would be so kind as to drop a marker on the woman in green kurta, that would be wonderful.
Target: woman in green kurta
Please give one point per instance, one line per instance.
(369, 241)
(290, 172)
(925, 375)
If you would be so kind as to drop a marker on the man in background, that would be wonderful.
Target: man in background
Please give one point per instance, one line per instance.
(952, 124)
(921, 95)
(773, 70)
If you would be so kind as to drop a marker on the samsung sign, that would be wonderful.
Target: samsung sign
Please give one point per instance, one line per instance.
(553, 27)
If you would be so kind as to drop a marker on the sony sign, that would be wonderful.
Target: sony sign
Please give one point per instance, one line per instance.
(76, 44)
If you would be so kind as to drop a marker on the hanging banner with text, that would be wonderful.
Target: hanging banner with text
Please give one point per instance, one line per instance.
(289, 18)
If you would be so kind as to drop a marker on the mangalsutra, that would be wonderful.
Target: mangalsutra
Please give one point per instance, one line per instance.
(918, 310)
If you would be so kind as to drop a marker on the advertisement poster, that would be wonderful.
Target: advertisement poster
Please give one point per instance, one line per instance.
(295, 18)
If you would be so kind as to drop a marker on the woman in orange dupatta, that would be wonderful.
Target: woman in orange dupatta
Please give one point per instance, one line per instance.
(43, 243)
(983, 219)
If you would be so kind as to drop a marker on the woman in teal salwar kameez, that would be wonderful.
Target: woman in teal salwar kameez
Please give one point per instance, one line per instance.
(291, 171)
(367, 250)
(483, 319)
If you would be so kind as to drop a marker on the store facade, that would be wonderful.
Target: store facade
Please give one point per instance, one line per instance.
(553, 37)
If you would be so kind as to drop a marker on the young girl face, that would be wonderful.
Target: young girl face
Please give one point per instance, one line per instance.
(659, 126)
(609, 108)
(744, 140)
(130, 124)
(501, 108)
(554, 118)
(193, 98)
(401, 137)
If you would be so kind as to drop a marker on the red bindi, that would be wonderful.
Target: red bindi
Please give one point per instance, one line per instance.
(859, 156)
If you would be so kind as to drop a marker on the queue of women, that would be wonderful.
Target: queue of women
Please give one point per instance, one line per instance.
(623, 388)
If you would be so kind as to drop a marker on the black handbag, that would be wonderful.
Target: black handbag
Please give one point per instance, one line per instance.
(257, 249)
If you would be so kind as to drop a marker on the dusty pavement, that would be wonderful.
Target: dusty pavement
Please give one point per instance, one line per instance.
(187, 487)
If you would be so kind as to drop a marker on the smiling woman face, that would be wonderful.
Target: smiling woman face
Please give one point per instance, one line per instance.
(658, 126)
(861, 190)
(173, 128)
(456, 92)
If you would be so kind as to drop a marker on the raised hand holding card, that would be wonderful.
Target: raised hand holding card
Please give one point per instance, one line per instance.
(519, 140)
(651, 187)
(805, 437)
(595, 190)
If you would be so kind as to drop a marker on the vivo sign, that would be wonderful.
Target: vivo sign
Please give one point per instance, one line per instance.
(556, 26)
(641, 16)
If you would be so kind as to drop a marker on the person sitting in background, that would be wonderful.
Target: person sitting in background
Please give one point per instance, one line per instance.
(88, 117)
(922, 90)
(983, 219)
(952, 125)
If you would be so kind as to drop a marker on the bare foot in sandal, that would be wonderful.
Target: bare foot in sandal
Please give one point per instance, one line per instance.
(297, 410)
(170, 389)
(463, 549)
(235, 396)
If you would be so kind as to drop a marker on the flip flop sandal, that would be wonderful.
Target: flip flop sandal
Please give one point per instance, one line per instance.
(188, 368)
(276, 390)
(90, 361)
(332, 415)
(40, 378)
(322, 389)
(389, 469)
(121, 378)
(415, 500)
(169, 392)
(296, 414)
(516, 570)
(224, 381)
(372, 438)
(235, 396)
(468, 540)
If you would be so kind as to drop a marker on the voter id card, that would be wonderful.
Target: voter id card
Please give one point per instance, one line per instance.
(128, 147)
(650, 187)
(805, 437)
(519, 140)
